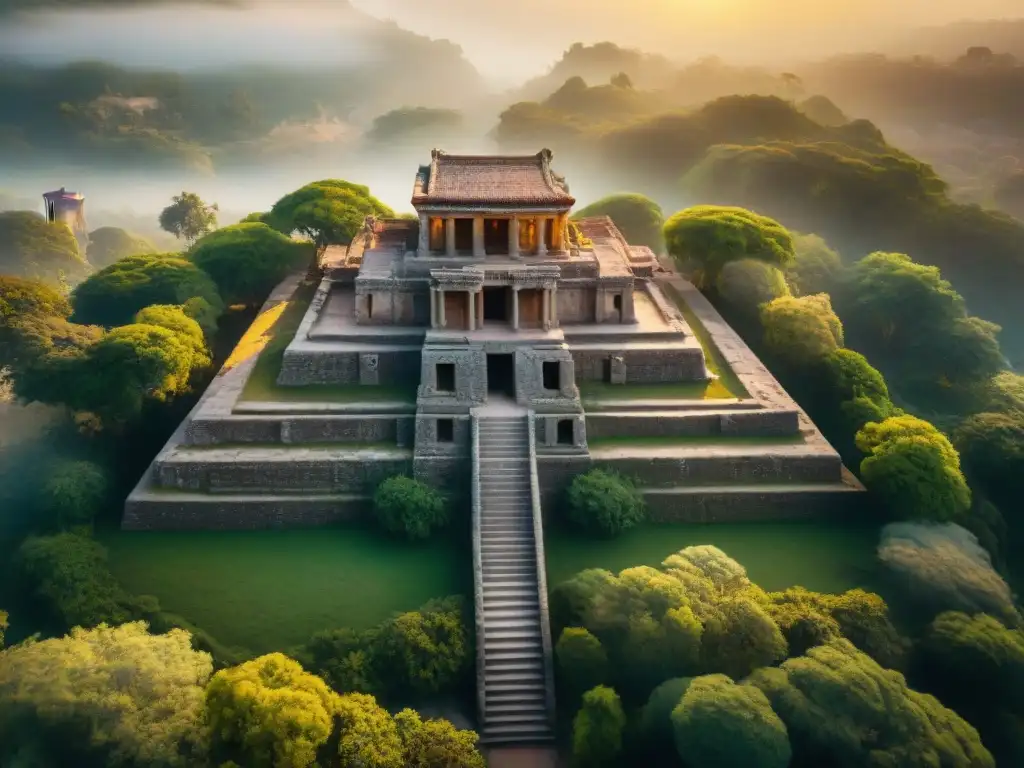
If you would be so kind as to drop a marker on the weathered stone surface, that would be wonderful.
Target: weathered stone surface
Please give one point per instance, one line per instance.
(735, 505)
(747, 423)
(295, 429)
(669, 365)
(718, 468)
(304, 367)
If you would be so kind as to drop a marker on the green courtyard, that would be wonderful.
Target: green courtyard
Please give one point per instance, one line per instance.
(270, 590)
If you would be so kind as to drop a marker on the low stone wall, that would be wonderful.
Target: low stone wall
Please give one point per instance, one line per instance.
(171, 511)
(754, 423)
(554, 473)
(644, 366)
(298, 429)
(723, 469)
(327, 474)
(753, 505)
(301, 367)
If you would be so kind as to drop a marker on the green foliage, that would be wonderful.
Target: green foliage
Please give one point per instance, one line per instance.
(69, 576)
(75, 493)
(638, 218)
(204, 313)
(604, 503)
(368, 736)
(188, 218)
(581, 663)
(406, 507)
(740, 636)
(991, 446)
(914, 469)
(857, 388)
(719, 724)
(800, 332)
(110, 244)
(27, 309)
(270, 712)
(943, 568)
(247, 261)
(597, 729)
(823, 111)
(748, 283)
(174, 319)
(112, 696)
(840, 707)
(113, 295)
(36, 249)
(327, 212)
(1006, 392)
(3, 627)
(707, 237)
(816, 268)
(655, 724)
(436, 743)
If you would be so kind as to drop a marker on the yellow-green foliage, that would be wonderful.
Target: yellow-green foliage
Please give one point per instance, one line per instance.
(801, 331)
(34, 248)
(638, 218)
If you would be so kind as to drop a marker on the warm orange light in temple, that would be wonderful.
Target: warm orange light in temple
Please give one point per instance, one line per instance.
(437, 233)
(527, 234)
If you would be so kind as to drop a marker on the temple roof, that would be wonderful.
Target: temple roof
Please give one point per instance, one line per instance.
(490, 180)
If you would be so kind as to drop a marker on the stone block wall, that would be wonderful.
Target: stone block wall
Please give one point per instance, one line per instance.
(575, 304)
(470, 374)
(752, 423)
(168, 511)
(297, 429)
(302, 368)
(644, 366)
(755, 505)
(715, 468)
(427, 443)
(547, 431)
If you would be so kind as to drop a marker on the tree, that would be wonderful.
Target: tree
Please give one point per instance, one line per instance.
(24, 300)
(654, 727)
(368, 735)
(116, 293)
(857, 388)
(328, 212)
(739, 637)
(406, 507)
(914, 469)
(74, 493)
(425, 651)
(581, 663)
(270, 712)
(707, 237)
(992, 448)
(597, 729)
(109, 244)
(604, 503)
(943, 568)
(112, 696)
(436, 743)
(69, 576)
(36, 249)
(188, 218)
(719, 724)
(801, 331)
(748, 283)
(174, 319)
(816, 268)
(3, 627)
(247, 261)
(638, 218)
(841, 708)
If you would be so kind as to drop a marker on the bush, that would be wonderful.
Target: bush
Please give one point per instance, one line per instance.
(581, 663)
(638, 218)
(604, 503)
(74, 493)
(816, 269)
(747, 284)
(801, 331)
(406, 507)
(597, 729)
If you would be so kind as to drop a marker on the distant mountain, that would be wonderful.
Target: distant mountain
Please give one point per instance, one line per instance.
(951, 40)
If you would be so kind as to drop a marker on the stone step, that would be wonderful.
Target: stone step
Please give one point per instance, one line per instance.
(505, 692)
(527, 578)
(511, 559)
(529, 667)
(517, 622)
(521, 702)
(516, 573)
(523, 614)
(525, 737)
(528, 716)
(507, 548)
(520, 653)
(524, 601)
(529, 677)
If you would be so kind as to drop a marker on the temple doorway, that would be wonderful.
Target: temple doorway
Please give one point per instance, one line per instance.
(496, 304)
(496, 236)
(464, 235)
(456, 310)
(501, 375)
(531, 303)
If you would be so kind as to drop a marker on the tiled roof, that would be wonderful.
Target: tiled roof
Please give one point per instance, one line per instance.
(490, 180)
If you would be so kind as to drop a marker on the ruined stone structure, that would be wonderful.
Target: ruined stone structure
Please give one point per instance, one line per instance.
(68, 208)
(497, 308)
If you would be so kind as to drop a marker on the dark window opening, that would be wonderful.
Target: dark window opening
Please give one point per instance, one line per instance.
(617, 302)
(495, 235)
(566, 432)
(501, 374)
(552, 375)
(446, 430)
(549, 234)
(369, 305)
(464, 235)
(446, 377)
(606, 373)
(49, 212)
(496, 304)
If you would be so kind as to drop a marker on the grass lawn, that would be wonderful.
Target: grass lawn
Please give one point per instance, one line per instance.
(728, 380)
(269, 590)
(269, 336)
(658, 440)
(826, 557)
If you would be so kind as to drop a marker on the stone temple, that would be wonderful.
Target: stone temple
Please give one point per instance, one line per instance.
(537, 347)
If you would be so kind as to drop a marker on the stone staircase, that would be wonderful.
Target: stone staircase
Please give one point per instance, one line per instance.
(515, 706)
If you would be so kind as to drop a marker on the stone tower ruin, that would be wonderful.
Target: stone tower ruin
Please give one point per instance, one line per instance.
(69, 208)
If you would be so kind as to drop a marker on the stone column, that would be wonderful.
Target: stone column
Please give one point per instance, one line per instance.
(433, 307)
(478, 307)
(478, 237)
(556, 234)
(554, 306)
(449, 237)
(471, 309)
(628, 307)
(424, 245)
(515, 307)
(546, 308)
(542, 225)
(513, 237)
(440, 308)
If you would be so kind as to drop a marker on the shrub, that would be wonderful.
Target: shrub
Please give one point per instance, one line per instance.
(604, 503)
(747, 284)
(406, 507)
(801, 331)
(597, 729)
(74, 493)
(581, 663)
(816, 269)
